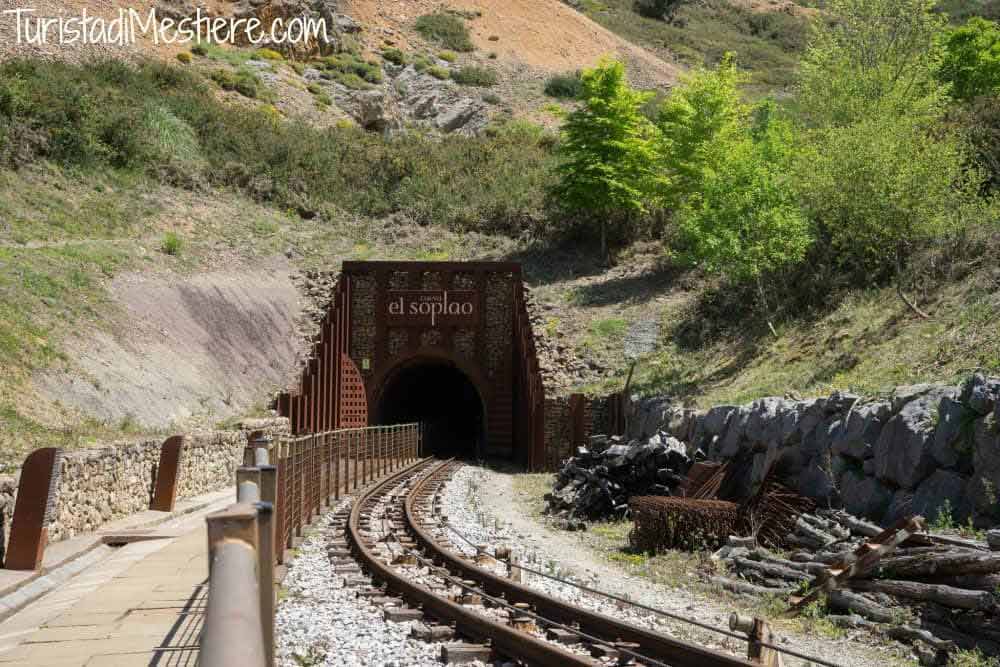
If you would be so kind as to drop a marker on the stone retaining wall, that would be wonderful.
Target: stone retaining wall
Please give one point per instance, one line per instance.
(100, 485)
(922, 449)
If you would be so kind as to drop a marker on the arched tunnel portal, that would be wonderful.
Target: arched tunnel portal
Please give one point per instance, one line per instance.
(437, 393)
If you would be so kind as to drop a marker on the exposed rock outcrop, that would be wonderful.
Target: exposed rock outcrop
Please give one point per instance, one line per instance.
(926, 448)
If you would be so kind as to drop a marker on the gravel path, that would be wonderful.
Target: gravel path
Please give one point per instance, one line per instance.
(320, 622)
(483, 505)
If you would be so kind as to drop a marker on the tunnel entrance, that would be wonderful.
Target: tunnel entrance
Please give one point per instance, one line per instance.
(443, 398)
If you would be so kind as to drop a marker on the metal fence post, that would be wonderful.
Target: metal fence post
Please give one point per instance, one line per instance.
(232, 634)
(336, 465)
(265, 568)
(247, 484)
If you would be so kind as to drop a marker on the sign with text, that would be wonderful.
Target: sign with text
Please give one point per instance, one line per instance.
(432, 308)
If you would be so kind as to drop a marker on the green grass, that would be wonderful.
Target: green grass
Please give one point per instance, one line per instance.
(446, 29)
(172, 244)
(868, 343)
(768, 44)
(973, 658)
(609, 328)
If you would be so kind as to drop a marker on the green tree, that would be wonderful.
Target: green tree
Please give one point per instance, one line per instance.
(971, 60)
(608, 151)
(870, 58)
(745, 221)
(880, 174)
(703, 111)
(882, 186)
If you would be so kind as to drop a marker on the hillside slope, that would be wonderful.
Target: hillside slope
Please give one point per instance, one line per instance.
(544, 35)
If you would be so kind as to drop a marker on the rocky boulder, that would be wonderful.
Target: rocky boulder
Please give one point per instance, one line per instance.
(902, 451)
(952, 446)
(860, 430)
(864, 496)
(984, 488)
(943, 491)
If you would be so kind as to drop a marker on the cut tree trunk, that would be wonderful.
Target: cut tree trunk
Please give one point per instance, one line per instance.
(770, 569)
(974, 582)
(743, 588)
(958, 598)
(957, 562)
(858, 604)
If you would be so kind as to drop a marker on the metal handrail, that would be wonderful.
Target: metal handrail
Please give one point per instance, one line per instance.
(274, 504)
(232, 620)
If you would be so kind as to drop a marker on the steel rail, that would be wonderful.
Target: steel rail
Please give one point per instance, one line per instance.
(674, 652)
(506, 640)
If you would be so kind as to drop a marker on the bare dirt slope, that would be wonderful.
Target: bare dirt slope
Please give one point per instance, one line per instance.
(201, 346)
(542, 34)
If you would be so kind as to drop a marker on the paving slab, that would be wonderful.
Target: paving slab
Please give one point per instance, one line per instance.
(137, 604)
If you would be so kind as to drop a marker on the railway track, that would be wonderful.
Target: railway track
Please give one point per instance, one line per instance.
(391, 532)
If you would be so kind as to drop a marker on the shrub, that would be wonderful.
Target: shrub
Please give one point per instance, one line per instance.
(971, 60)
(564, 86)
(352, 81)
(347, 63)
(472, 75)
(269, 54)
(394, 56)
(199, 50)
(654, 9)
(438, 72)
(493, 55)
(448, 56)
(445, 29)
(243, 81)
(492, 98)
(171, 244)
(184, 57)
(422, 63)
(95, 116)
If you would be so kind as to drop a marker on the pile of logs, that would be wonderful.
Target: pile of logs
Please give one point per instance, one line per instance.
(937, 592)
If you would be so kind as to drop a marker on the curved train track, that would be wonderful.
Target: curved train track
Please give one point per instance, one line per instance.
(411, 531)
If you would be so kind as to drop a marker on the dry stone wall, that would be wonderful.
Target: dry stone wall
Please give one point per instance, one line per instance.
(103, 484)
(927, 449)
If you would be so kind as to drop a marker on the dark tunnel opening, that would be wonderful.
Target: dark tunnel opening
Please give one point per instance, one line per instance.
(442, 397)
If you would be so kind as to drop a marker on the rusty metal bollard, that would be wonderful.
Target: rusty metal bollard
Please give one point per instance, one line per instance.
(36, 498)
(167, 472)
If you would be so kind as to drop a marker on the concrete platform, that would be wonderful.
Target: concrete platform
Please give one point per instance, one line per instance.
(137, 604)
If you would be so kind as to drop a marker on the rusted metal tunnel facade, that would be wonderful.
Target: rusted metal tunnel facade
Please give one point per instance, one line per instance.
(446, 344)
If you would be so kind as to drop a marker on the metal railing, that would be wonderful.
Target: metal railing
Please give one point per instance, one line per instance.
(274, 504)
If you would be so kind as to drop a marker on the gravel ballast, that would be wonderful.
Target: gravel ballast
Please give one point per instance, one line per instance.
(320, 622)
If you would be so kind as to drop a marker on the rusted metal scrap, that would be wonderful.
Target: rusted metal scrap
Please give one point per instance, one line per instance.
(680, 523)
(701, 522)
